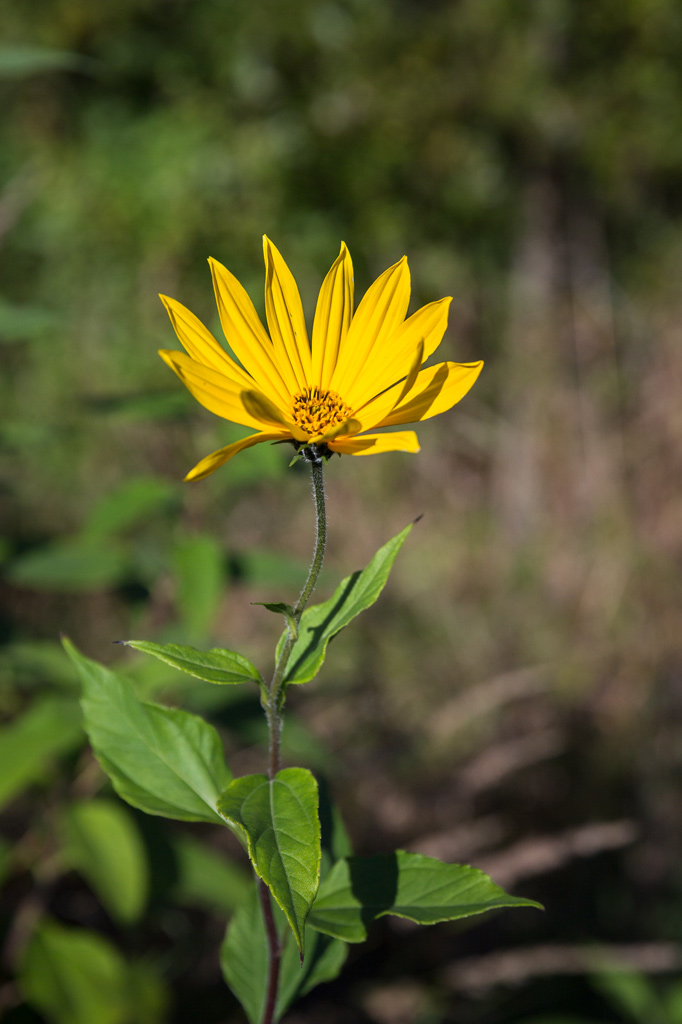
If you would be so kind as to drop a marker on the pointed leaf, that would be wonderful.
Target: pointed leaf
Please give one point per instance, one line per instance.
(244, 960)
(422, 889)
(280, 821)
(321, 622)
(281, 608)
(104, 844)
(159, 759)
(215, 666)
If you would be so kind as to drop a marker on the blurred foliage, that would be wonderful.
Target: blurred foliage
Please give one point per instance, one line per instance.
(528, 159)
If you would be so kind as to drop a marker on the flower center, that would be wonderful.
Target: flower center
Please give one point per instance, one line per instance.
(316, 410)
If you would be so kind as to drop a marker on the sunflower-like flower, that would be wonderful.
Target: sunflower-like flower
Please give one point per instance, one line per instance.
(362, 371)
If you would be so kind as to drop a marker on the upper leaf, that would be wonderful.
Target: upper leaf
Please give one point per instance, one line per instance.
(321, 622)
(244, 960)
(279, 819)
(425, 890)
(216, 666)
(159, 759)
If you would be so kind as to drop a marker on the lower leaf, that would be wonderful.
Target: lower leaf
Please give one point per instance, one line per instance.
(162, 760)
(279, 819)
(245, 964)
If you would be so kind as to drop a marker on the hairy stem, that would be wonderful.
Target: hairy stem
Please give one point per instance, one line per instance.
(273, 712)
(320, 538)
(275, 951)
(273, 709)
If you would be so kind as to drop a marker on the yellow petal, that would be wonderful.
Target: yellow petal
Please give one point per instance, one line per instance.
(389, 362)
(200, 344)
(265, 411)
(382, 309)
(285, 320)
(214, 461)
(246, 335)
(216, 392)
(374, 413)
(350, 426)
(409, 381)
(436, 390)
(375, 444)
(332, 317)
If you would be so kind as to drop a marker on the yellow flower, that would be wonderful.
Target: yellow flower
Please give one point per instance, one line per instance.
(362, 371)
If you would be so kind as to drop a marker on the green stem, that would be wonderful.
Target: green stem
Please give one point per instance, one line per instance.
(273, 711)
(273, 704)
(320, 538)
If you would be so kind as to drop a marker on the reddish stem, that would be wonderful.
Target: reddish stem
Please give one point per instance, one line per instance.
(275, 953)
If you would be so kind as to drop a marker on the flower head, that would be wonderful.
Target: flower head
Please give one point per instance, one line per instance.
(363, 370)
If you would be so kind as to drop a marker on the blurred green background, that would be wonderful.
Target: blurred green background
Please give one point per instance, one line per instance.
(515, 699)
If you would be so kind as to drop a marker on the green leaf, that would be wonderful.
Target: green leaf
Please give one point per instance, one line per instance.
(159, 759)
(207, 878)
(104, 844)
(200, 578)
(52, 726)
(280, 822)
(281, 608)
(422, 889)
(216, 666)
(72, 565)
(321, 622)
(244, 960)
(74, 977)
(136, 500)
